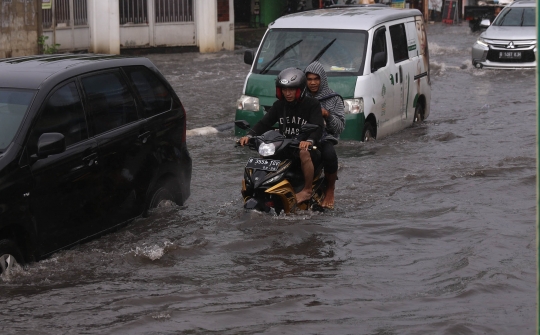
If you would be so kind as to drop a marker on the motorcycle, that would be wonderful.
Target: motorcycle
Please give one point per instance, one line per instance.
(272, 180)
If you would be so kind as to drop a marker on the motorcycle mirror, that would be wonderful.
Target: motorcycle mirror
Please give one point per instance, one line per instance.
(242, 124)
(308, 128)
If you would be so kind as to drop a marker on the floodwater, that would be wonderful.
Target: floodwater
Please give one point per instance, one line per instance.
(433, 232)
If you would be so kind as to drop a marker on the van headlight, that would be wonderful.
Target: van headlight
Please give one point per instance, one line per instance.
(248, 103)
(354, 106)
(267, 149)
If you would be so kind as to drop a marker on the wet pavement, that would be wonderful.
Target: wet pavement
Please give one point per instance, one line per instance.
(433, 232)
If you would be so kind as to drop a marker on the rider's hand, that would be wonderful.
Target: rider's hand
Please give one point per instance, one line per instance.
(243, 140)
(304, 145)
(325, 113)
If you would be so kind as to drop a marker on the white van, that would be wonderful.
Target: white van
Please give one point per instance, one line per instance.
(375, 57)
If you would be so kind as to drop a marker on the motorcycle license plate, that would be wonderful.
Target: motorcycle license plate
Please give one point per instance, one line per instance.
(509, 54)
(263, 164)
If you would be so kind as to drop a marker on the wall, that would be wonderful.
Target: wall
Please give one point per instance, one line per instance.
(104, 22)
(215, 29)
(20, 27)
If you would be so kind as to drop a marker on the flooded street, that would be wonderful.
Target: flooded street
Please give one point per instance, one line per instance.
(434, 230)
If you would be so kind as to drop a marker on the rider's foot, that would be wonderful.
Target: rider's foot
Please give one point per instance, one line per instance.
(328, 201)
(303, 196)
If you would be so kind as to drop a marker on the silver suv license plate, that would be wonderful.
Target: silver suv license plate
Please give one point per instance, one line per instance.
(509, 54)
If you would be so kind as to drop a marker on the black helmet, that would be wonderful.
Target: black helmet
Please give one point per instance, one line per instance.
(291, 78)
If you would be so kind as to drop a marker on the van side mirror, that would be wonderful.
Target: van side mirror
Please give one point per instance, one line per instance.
(379, 60)
(485, 23)
(50, 144)
(248, 57)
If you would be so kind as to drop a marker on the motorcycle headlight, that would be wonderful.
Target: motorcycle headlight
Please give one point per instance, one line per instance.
(267, 149)
(354, 106)
(247, 103)
(481, 41)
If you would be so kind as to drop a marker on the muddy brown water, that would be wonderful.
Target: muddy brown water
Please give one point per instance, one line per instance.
(433, 231)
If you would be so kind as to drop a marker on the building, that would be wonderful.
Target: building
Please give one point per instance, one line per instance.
(108, 26)
(19, 28)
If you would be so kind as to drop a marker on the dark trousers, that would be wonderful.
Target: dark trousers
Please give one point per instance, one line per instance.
(328, 156)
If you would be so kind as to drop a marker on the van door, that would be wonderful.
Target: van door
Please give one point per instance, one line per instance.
(415, 67)
(381, 81)
(404, 76)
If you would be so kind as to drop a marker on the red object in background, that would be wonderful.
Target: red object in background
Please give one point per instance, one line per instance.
(449, 19)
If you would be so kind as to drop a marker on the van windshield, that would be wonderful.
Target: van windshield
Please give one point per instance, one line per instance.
(341, 52)
(13, 106)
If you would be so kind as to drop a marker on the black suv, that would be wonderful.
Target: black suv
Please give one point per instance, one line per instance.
(87, 143)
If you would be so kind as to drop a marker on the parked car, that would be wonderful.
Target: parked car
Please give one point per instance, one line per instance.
(510, 42)
(376, 58)
(87, 143)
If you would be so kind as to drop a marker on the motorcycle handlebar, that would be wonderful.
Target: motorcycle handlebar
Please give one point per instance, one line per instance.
(251, 143)
(310, 147)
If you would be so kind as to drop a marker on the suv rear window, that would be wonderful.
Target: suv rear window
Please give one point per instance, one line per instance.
(13, 106)
(154, 95)
(109, 100)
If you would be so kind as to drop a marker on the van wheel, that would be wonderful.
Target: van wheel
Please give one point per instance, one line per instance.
(418, 114)
(368, 132)
(10, 256)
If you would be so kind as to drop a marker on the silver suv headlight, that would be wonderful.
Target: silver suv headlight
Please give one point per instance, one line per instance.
(248, 103)
(482, 41)
(354, 106)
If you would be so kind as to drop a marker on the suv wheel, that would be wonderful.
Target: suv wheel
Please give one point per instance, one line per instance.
(161, 195)
(160, 198)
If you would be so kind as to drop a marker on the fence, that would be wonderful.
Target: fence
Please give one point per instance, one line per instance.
(143, 23)
(62, 14)
(174, 11)
(133, 11)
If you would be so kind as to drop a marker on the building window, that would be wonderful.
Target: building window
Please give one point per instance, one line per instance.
(62, 16)
(133, 12)
(223, 10)
(174, 11)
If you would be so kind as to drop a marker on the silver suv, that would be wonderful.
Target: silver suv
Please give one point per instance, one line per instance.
(510, 42)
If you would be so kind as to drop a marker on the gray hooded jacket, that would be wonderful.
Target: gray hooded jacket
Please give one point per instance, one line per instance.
(335, 122)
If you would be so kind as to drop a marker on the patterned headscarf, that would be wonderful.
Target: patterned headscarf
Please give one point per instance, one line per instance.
(333, 103)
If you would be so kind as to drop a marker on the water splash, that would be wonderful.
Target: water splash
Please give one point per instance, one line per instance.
(151, 252)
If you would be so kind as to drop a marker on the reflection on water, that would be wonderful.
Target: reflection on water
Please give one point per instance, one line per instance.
(433, 232)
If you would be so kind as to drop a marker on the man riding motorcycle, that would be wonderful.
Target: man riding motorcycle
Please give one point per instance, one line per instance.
(293, 109)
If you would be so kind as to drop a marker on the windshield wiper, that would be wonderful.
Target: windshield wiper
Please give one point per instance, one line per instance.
(501, 21)
(323, 50)
(278, 56)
